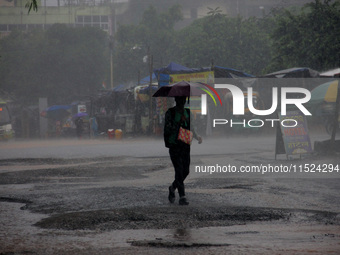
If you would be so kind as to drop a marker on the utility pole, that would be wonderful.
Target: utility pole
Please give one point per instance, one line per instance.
(150, 58)
(112, 33)
(111, 60)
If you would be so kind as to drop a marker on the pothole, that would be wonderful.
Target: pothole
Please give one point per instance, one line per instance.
(160, 218)
(170, 244)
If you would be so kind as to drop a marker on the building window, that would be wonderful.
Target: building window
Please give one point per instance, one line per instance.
(104, 19)
(96, 19)
(87, 19)
(3, 28)
(93, 21)
(12, 27)
(80, 19)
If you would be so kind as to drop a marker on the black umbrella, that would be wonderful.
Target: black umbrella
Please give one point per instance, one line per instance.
(182, 88)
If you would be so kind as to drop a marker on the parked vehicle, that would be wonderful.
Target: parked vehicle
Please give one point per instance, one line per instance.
(6, 129)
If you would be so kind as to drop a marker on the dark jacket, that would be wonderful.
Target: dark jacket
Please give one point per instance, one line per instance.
(171, 127)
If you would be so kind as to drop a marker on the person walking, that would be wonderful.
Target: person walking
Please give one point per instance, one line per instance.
(175, 118)
(79, 127)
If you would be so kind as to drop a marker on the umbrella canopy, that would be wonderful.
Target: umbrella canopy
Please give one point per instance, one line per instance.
(326, 92)
(56, 112)
(79, 115)
(182, 88)
(323, 98)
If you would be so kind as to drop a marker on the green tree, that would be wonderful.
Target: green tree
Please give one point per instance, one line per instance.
(32, 4)
(233, 42)
(154, 35)
(62, 63)
(310, 37)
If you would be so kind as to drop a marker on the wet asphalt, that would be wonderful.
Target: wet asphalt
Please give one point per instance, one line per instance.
(110, 197)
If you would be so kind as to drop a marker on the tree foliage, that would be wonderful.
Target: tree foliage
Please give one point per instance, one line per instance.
(308, 38)
(232, 42)
(154, 35)
(31, 4)
(62, 63)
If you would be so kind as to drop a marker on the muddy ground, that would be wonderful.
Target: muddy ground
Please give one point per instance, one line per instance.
(118, 205)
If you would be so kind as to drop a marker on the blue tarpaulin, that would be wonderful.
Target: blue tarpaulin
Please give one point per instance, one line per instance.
(146, 80)
(163, 74)
(119, 88)
(146, 90)
(173, 68)
(58, 107)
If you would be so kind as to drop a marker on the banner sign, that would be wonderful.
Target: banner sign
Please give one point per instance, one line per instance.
(81, 108)
(294, 133)
(206, 77)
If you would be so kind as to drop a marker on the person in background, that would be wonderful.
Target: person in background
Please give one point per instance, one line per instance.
(79, 127)
(179, 151)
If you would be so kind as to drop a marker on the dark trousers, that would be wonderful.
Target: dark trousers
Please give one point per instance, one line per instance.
(180, 157)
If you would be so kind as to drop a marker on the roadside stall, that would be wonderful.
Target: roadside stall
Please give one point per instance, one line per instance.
(57, 115)
(113, 110)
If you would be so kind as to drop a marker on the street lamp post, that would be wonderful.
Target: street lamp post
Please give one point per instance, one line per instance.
(111, 61)
(150, 58)
(112, 32)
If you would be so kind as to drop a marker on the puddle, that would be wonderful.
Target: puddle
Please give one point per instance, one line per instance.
(160, 218)
(266, 237)
(19, 235)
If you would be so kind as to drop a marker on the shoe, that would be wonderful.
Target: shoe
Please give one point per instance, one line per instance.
(183, 201)
(171, 196)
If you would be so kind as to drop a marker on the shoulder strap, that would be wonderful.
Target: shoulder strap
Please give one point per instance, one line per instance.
(189, 115)
(173, 112)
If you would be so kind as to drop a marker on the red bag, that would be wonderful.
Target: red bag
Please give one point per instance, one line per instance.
(185, 135)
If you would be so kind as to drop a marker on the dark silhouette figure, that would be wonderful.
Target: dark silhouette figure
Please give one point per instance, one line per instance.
(179, 151)
(79, 127)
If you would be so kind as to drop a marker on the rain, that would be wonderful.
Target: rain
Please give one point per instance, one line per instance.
(87, 91)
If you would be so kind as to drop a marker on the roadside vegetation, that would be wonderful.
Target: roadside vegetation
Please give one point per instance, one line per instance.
(64, 62)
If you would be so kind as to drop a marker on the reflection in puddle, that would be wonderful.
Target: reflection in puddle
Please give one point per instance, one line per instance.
(182, 234)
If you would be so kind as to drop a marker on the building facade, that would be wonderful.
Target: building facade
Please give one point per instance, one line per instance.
(106, 14)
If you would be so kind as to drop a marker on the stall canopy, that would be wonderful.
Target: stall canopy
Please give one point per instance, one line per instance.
(146, 80)
(331, 73)
(224, 72)
(296, 72)
(163, 74)
(173, 68)
(119, 88)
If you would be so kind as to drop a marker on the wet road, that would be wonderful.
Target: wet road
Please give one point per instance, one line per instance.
(110, 197)
(133, 147)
